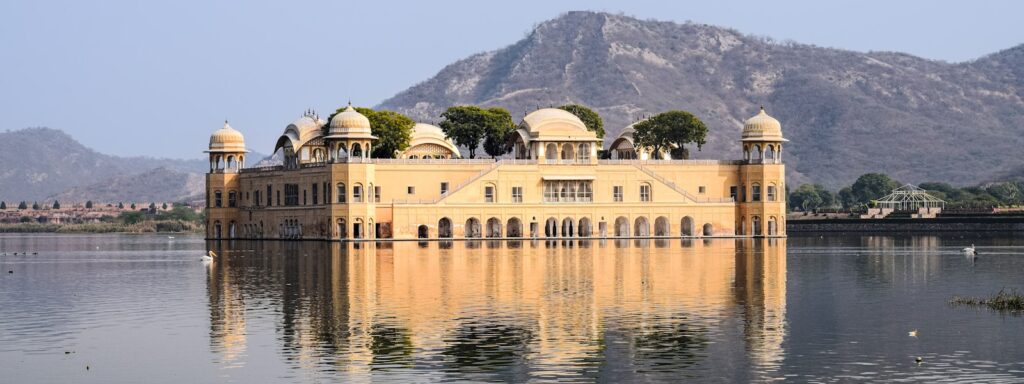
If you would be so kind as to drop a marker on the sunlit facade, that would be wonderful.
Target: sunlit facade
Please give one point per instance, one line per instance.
(552, 184)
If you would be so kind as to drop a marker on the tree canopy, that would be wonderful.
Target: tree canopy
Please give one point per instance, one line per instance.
(810, 197)
(22, 205)
(56, 204)
(872, 186)
(469, 125)
(393, 131)
(88, 204)
(590, 118)
(670, 131)
(3, 205)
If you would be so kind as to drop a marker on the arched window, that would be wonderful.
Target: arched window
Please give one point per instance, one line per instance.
(568, 153)
(357, 193)
(755, 192)
(342, 229)
(755, 225)
(216, 229)
(769, 153)
(773, 229)
(341, 192)
(645, 192)
(584, 152)
(757, 152)
(551, 151)
(357, 151)
(771, 192)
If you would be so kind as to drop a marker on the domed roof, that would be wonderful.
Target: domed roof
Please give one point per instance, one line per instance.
(426, 134)
(555, 122)
(349, 123)
(427, 130)
(227, 139)
(762, 127)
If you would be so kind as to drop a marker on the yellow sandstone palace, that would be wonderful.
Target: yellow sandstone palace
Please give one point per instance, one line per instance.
(553, 185)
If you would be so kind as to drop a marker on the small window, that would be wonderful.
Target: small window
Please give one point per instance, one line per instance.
(341, 192)
(517, 194)
(357, 194)
(410, 190)
(617, 193)
(755, 192)
(444, 187)
(376, 194)
(701, 189)
(232, 199)
(316, 194)
(733, 192)
(645, 192)
(217, 199)
(489, 193)
(771, 193)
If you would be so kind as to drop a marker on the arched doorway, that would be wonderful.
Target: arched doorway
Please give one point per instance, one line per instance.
(514, 228)
(231, 230)
(568, 225)
(708, 229)
(773, 229)
(444, 228)
(422, 232)
(342, 229)
(551, 227)
(755, 225)
(473, 229)
(661, 226)
(641, 228)
(216, 229)
(493, 227)
(584, 229)
(687, 226)
(621, 227)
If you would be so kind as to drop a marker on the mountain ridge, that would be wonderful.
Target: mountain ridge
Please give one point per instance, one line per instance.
(845, 112)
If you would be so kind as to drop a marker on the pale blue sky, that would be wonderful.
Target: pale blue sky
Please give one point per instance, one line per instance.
(148, 78)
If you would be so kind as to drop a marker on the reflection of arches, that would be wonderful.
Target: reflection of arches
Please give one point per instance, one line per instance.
(514, 228)
(621, 227)
(444, 228)
(568, 227)
(473, 229)
(773, 229)
(584, 229)
(661, 226)
(551, 227)
(493, 227)
(687, 226)
(755, 225)
(708, 229)
(640, 227)
(422, 232)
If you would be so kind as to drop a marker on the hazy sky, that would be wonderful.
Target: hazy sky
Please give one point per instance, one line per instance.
(155, 78)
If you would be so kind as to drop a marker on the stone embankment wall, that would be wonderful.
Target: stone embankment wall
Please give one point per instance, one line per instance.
(941, 224)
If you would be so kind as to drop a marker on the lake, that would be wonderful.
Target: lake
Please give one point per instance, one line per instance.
(143, 308)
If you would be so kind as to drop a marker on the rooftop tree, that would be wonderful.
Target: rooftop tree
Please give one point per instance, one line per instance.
(499, 126)
(670, 131)
(467, 126)
(393, 131)
(590, 118)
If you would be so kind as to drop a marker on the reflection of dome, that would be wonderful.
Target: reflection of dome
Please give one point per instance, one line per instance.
(552, 121)
(349, 121)
(762, 127)
(227, 139)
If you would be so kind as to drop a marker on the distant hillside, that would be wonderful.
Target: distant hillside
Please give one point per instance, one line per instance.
(158, 185)
(38, 163)
(846, 113)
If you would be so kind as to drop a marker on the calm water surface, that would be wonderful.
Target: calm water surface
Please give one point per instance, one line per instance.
(145, 309)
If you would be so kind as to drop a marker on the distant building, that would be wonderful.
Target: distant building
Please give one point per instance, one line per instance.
(553, 185)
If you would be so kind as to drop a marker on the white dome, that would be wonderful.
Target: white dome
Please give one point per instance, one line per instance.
(349, 121)
(227, 139)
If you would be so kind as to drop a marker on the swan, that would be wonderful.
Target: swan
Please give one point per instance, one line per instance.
(912, 333)
(209, 257)
(970, 251)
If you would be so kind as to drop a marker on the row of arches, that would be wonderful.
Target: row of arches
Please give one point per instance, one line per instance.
(769, 227)
(770, 153)
(229, 163)
(566, 227)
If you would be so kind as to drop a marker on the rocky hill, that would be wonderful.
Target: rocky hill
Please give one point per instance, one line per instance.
(846, 113)
(41, 163)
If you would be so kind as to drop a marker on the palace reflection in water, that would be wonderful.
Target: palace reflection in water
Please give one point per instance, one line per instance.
(507, 310)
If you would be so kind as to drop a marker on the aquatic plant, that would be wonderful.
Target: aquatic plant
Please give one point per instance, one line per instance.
(1003, 301)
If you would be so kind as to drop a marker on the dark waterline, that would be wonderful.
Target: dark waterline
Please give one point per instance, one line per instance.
(143, 308)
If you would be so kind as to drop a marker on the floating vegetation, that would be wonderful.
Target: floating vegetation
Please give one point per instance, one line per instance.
(1003, 301)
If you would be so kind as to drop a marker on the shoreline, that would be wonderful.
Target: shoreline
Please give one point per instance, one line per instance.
(938, 224)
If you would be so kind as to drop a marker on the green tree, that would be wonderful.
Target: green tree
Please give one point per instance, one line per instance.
(846, 198)
(56, 204)
(499, 126)
(466, 125)
(812, 196)
(25, 219)
(3, 205)
(35, 205)
(120, 205)
(164, 206)
(22, 206)
(872, 186)
(133, 206)
(670, 131)
(393, 131)
(590, 118)
(88, 204)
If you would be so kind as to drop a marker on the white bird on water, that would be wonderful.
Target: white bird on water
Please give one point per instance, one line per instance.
(912, 333)
(970, 251)
(209, 257)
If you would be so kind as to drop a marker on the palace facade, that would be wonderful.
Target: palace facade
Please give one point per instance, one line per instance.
(553, 184)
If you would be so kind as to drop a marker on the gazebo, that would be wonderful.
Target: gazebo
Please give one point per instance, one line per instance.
(910, 198)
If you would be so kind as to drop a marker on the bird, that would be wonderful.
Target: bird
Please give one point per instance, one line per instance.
(170, 237)
(969, 251)
(912, 333)
(10, 272)
(919, 359)
(208, 257)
